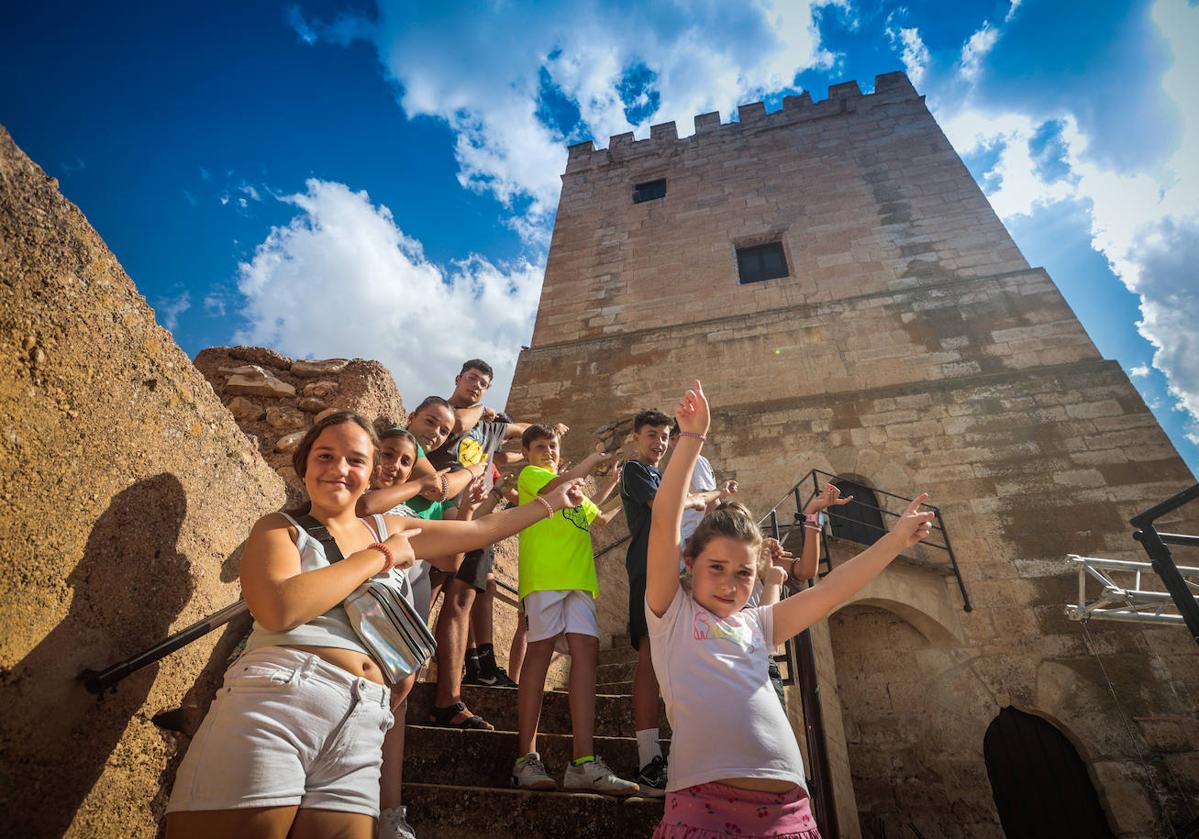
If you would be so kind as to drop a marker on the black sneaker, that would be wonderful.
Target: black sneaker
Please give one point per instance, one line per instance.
(498, 679)
(652, 778)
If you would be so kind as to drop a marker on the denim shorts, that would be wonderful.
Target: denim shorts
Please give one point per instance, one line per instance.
(287, 728)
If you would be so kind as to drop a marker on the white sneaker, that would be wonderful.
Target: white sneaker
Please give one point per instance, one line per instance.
(529, 773)
(393, 824)
(595, 776)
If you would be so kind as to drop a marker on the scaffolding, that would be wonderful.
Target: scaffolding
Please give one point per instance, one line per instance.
(1125, 595)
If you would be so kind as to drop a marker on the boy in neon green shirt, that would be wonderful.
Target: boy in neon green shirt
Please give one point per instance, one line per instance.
(558, 587)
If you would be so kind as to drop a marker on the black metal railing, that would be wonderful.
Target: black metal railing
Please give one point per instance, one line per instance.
(1156, 544)
(788, 516)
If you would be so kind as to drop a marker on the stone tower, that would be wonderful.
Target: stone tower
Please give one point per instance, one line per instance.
(854, 305)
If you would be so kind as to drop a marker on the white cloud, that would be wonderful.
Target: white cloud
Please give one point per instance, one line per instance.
(250, 191)
(912, 51)
(975, 50)
(1146, 223)
(170, 310)
(342, 280)
(214, 304)
(478, 67)
(1011, 12)
(1140, 371)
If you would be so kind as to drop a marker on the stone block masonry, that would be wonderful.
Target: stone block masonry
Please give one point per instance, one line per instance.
(126, 491)
(276, 399)
(909, 348)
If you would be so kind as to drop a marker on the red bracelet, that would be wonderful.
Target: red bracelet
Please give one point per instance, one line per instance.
(387, 555)
(549, 508)
(695, 434)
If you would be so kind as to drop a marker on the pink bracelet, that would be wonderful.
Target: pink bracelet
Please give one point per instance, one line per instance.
(695, 434)
(549, 508)
(387, 555)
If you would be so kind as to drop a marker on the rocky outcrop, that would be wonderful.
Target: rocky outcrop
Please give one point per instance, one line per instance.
(275, 399)
(126, 490)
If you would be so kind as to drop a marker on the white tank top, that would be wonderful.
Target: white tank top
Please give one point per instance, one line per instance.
(332, 629)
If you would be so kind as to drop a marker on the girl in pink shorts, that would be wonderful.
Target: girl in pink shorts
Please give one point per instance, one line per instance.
(735, 768)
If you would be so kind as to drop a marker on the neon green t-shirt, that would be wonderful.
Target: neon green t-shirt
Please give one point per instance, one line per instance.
(555, 553)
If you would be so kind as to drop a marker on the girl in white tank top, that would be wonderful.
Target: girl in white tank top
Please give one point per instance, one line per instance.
(735, 766)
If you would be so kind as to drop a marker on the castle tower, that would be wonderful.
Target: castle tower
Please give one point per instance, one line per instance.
(853, 305)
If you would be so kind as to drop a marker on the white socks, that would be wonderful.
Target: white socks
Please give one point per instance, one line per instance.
(648, 746)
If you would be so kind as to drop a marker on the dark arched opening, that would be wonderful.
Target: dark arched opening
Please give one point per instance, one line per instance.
(1040, 784)
(860, 520)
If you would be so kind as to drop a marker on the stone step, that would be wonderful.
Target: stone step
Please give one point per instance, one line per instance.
(616, 672)
(613, 714)
(450, 812)
(619, 654)
(485, 758)
(615, 688)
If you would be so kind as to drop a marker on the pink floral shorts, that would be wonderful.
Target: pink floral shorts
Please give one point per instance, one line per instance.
(714, 811)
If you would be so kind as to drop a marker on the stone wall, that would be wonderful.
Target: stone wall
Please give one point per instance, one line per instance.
(275, 399)
(126, 491)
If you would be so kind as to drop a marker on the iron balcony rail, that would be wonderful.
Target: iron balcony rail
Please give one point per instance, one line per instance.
(816, 478)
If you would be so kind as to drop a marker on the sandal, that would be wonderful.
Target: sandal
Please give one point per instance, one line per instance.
(443, 717)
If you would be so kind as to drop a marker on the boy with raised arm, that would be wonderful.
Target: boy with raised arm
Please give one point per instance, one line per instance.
(558, 587)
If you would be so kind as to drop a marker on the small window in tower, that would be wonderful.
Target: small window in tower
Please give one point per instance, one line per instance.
(649, 191)
(761, 262)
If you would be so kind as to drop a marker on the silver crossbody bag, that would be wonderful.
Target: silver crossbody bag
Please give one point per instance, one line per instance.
(384, 621)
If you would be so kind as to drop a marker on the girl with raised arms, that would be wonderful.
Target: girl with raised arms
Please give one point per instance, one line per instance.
(735, 767)
(291, 746)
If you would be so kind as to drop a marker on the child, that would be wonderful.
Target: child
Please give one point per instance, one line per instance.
(558, 587)
(737, 767)
(292, 744)
(638, 486)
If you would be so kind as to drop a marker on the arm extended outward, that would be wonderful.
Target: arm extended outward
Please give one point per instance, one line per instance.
(797, 613)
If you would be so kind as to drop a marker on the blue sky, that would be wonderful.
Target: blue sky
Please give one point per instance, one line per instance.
(257, 167)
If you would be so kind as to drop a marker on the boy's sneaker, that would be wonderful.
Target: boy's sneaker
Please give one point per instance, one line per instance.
(652, 778)
(498, 679)
(393, 824)
(529, 773)
(595, 776)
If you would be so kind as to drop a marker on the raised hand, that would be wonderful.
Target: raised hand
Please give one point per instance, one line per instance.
(568, 494)
(729, 488)
(475, 493)
(914, 525)
(692, 411)
(401, 548)
(433, 487)
(774, 576)
(561, 429)
(488, 414)
(775, 552)
(830, 496)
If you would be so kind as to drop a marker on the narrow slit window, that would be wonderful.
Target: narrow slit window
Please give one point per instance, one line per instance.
(761, 262)
(649, 191)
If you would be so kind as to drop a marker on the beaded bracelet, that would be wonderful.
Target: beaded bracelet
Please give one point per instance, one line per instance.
(549, 508)
(445, 487)
(695, 434)
(387, 555)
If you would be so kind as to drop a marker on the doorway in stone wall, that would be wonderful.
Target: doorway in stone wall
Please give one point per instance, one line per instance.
(1040, 784)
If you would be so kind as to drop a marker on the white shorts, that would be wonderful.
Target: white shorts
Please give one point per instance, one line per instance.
(551, 614)
(287, 728)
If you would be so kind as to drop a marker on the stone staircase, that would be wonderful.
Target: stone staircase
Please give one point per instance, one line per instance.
(457, 783)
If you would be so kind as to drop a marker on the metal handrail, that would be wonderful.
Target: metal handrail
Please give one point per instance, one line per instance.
(795, 495)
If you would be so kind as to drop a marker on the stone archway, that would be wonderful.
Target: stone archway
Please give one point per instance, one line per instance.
(909, 713)
(1040, 783)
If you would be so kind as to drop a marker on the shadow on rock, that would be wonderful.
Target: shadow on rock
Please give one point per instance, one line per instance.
(127, 590)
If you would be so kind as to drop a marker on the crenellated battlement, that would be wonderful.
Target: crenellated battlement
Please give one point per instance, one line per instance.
(844, 97)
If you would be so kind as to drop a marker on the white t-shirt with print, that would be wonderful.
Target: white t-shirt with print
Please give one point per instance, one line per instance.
(726, 719)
